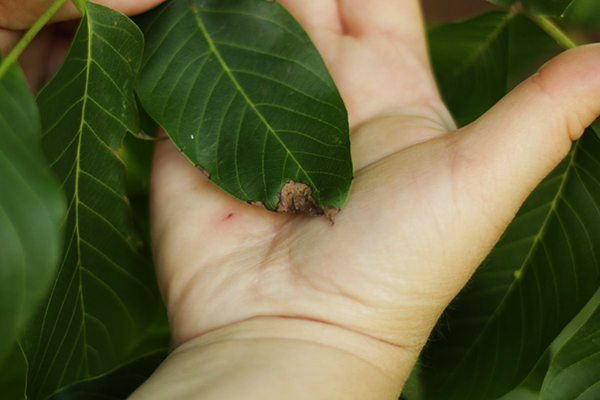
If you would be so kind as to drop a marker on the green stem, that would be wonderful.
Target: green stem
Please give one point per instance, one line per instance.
(28, 37)
(554, 30)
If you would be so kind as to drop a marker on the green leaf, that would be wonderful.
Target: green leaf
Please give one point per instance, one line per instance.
(553, 8)
(116, 385)
(80, 4)
(242, 91)
(583, 14)
(526, 56)
(574, 372)
(13, 374)
(538, 277)
(104, 296)
(470, 61)
(137, 154)
(32, 208)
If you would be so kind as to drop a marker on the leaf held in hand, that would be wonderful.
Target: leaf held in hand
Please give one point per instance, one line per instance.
(242, 91)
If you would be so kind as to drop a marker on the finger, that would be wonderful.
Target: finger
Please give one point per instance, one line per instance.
(21, 15)
(315, 15)
(400, 19)
(8, 39)
(387, 134)
(503, 156)
(128, 7)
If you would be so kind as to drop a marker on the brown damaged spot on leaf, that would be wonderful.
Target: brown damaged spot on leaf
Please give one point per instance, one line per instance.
(296, 197)
(204, 171)
(257, 204)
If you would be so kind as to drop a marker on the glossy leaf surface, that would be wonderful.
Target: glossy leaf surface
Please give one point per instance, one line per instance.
(538, 277)
(115, 385)
(32, 208)
(470, 60)
(104, 295)
(242, 91)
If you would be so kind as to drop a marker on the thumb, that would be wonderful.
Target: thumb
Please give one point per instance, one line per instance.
(505, 154)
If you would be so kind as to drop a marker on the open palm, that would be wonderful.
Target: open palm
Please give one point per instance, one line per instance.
(427, 205)
(425, 208)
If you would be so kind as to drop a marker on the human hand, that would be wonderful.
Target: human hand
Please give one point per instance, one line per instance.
(427, 205)
(428, 202)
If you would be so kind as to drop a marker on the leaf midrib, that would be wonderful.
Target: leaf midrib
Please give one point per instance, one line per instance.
(77, 174)
(513, 286)
(229, 73)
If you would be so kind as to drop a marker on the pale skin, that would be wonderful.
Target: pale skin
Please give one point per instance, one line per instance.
(272, 306)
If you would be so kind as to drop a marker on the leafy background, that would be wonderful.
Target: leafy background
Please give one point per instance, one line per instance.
(527, 325)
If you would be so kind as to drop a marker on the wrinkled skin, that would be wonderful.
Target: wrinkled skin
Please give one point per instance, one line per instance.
(427, 205)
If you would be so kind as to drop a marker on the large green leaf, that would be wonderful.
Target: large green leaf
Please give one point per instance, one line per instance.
(104, 295)
(574, 372)
(242, 91)
(32, 208)
(470, 60)
(538, 277)
(115, 385)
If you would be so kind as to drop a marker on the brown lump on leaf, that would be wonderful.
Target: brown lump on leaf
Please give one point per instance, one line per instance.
(296, 197)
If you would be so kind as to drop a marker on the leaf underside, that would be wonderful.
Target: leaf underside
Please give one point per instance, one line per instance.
(32, 207)
(574, 372)
(104, 295)
(470, 63)
(242, 91)
(538, 277)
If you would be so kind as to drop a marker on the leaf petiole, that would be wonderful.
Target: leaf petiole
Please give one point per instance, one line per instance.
(552, 29)
(28, 37)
